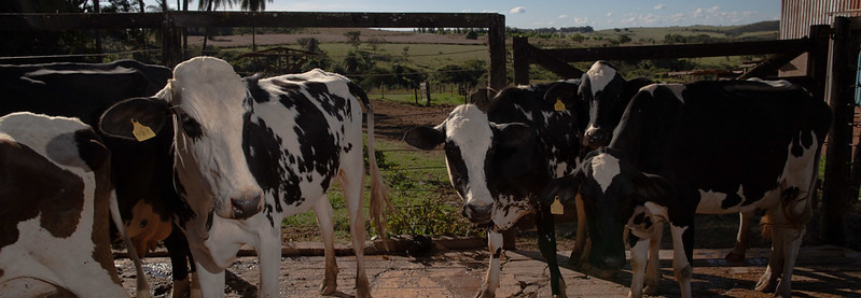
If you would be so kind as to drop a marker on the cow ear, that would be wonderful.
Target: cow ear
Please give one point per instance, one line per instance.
(564, 188)
(563, 91)
(515, 134)
(134, 119)
(425, 138)
(653, 188)
(482, 97)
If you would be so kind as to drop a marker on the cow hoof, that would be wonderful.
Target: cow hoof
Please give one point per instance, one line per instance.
(606, 274)
(181, 289)
(734, 257)
(328, 290)
(484, 292)
(563, 295)
(144, 294)
(575, 259)
(363, 288)
(783, 290)
(765, 286)
(195, 293)
(650, 290)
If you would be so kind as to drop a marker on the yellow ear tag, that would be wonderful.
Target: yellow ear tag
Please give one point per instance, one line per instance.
(142, 132)
(556, 207)
(559, 106)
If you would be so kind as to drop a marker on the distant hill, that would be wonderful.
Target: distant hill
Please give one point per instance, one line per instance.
(757, 27)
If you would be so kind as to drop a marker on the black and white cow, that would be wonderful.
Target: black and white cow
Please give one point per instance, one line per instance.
(499, 158)
(710, 148)
(141, 172)
(56, 203)
(252, 151)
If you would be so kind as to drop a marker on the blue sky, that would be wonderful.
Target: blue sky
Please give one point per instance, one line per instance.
(600, 14)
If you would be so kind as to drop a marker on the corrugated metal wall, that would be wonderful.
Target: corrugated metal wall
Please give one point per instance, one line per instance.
(796, 16)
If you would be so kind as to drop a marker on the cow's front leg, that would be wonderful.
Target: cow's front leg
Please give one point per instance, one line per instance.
(491, 281)
(578, 258)
(177, 249)
(211, 283)
(323, 210)
(547, 245)
(683, 249)
(269, 256)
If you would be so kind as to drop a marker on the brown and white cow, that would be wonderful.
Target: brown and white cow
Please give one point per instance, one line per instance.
(55, 203)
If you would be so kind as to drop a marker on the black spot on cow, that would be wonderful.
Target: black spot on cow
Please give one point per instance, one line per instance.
(24, 193)
(262, 148)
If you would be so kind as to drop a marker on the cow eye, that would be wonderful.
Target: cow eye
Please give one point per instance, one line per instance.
(144, 223)
(190, 126)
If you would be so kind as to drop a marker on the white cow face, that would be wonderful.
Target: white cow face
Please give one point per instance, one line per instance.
(207, 100)
(471, 144)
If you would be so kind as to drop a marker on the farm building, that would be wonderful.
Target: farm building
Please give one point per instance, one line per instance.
(796, 17)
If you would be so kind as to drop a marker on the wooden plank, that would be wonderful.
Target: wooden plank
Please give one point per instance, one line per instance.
(60, 22)
(770, 66)
(681, 51)
(558, 66)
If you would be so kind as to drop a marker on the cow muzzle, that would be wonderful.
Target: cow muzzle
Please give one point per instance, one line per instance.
(477, 214)
(595, 137)
(241, 204)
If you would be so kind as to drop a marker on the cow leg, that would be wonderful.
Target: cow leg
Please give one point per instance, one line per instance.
(683, 250)
(741, 243)
(323, 210)
(491, 281)
(639, 255)
(352, 185)
(547, 245)
(653, 268)
(578, 258)
(269, 256)
(177, 249)
(211, 283)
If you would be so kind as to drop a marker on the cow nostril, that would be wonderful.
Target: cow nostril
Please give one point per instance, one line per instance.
(245, 207)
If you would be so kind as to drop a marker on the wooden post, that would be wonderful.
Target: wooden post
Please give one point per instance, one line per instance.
(496, 45)
(817, 59)
(837, 168)
(521, 60)
(171, 46)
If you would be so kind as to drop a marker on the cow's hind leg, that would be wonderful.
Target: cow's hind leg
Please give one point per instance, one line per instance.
(741, 243)
(323, 210)
(653, 269)
(491, 281)
(683, 249)
(547, 246)
(352, 185)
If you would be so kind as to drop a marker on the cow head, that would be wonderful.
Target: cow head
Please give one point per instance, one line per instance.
(607, 95)
(475, 151)
(207, 102)
(613, 193)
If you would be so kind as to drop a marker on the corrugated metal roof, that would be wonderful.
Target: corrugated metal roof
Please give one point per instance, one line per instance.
(796, 16)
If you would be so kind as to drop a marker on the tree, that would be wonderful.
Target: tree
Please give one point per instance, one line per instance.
(253, 6)
(354, 38)
(472, 35)
(210, 5)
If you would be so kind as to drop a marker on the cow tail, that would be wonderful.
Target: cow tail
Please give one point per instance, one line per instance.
(143, 290)
(379, 192)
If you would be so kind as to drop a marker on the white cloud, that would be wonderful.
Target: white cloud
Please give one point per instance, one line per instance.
(609, 14)
(564, 16)
(581, 21)
(517, 10)
(659, 7)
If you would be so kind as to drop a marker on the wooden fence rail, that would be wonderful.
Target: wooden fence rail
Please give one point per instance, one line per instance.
(169, 22)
